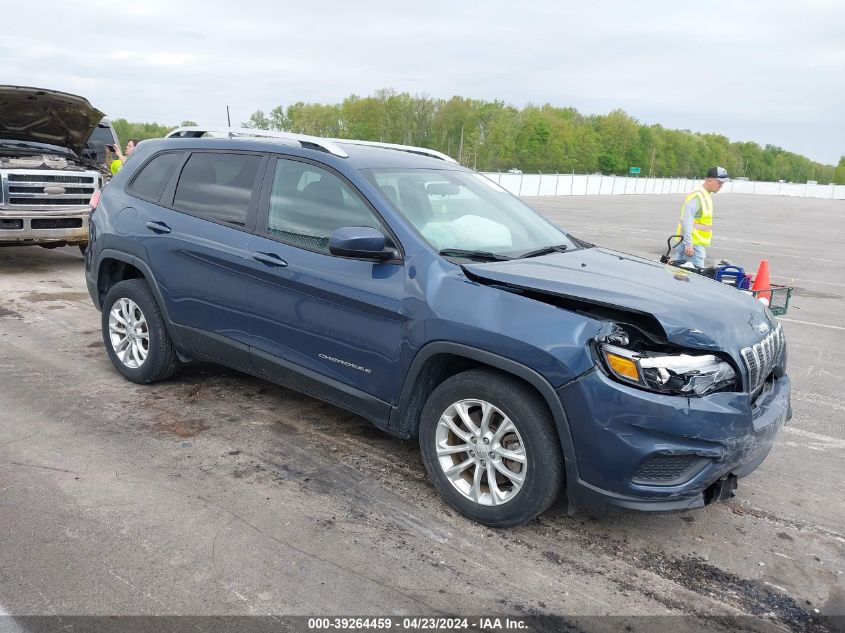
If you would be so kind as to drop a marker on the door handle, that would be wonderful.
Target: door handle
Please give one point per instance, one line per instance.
(158, 227)
(269, 259)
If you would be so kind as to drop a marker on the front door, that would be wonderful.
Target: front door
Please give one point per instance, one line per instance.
(335, 320)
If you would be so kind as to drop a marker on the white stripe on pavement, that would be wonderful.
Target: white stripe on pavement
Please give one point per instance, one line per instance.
(832, 327)
(808, 281)
(826, 440)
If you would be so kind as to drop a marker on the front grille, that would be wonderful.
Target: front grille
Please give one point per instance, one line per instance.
(83, 180)
(761, 359)
(668, 469)
(56, 223)
(50, 201)
(36, 189)
(27, 189)
(71, 190)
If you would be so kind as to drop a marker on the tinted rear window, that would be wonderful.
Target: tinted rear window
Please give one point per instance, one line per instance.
(153, 178)
(217, 186)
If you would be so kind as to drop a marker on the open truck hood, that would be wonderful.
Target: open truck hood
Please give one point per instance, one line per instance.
(46, 116)
(691, 310)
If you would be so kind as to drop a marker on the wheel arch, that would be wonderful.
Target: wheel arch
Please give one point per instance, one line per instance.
(440, 360)
(114, 266)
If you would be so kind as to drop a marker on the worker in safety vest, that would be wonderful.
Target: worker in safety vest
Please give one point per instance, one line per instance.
(115, 165)
(696, 223)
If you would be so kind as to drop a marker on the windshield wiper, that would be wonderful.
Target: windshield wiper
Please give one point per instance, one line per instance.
(470, 254)
(546, 250)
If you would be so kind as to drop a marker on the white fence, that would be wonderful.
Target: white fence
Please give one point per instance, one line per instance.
(597, 184)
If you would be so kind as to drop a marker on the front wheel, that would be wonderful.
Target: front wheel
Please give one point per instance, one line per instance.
(490, 447)
(136, 339)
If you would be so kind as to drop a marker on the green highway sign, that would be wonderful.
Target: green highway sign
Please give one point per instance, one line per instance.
(634, 170)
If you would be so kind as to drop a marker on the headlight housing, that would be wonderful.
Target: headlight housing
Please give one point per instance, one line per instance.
(670, 374)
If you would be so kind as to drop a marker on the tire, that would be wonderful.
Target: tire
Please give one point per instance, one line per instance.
(83, 248)
(154, 357)
(534, 439)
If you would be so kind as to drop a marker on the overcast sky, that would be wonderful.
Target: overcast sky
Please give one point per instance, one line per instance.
(768, 71)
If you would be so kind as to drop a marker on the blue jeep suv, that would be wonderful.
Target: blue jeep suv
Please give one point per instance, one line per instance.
(394, 283)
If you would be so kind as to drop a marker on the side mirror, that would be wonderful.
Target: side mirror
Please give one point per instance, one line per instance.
(362, 242)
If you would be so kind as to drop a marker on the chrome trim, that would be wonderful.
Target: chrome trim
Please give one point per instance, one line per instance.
(761, 358)
(75, 184)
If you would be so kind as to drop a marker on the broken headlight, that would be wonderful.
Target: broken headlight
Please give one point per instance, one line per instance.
(671, 374)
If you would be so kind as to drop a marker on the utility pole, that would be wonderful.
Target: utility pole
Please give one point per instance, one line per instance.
(461, 148)
(228, 118)
(651, 169)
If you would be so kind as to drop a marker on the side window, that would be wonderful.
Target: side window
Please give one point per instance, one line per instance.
(153, 178)
(217, 186)
(308, 204)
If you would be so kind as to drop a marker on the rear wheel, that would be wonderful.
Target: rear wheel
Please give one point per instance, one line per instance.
(489, 445)
(135, 335)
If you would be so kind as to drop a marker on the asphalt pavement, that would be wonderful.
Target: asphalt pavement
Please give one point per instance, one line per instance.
(218, 493)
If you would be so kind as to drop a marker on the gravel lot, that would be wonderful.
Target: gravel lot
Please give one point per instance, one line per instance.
(217, 493)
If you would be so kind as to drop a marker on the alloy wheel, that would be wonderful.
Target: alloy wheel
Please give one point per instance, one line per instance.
(481, 452)
(128, 333)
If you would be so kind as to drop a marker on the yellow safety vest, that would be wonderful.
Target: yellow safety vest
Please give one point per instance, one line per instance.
(702, 228)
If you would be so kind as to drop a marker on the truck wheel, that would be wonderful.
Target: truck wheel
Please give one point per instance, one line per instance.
(490, 447)
(135, 335)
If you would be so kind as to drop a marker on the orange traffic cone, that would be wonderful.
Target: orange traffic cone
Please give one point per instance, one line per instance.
(761, 282)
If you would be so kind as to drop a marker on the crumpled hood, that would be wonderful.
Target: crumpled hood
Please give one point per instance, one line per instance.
(46, 116)
(692, 310)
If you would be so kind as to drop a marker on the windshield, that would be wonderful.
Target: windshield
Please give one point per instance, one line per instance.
(464, 211)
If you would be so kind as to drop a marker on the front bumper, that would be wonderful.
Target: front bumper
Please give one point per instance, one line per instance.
(621, 433)
(21, 226)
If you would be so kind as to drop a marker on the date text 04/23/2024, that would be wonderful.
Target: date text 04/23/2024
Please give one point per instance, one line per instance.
(416, 624)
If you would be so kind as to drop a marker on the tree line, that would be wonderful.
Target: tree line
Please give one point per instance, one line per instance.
(496, 136)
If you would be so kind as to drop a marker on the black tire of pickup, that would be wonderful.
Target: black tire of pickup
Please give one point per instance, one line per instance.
(162, 361)
(544, 478)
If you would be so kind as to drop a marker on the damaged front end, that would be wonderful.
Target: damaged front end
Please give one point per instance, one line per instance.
(662, 428)
(667, 418)
(634, 358)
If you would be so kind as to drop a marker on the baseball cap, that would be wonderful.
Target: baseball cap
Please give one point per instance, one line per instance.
(719, 173)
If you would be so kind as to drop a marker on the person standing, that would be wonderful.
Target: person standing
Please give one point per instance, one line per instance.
(696, 224)
(117, 163)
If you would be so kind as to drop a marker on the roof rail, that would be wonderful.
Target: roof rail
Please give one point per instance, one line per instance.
(311, 142)
(329, 145)
(403, 148)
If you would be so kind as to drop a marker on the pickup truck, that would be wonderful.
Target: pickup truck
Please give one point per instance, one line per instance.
(47, 172)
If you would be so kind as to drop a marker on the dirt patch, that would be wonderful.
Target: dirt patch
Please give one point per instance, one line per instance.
(695, 574)
(180, 428)
(40, 297)
(6, 312)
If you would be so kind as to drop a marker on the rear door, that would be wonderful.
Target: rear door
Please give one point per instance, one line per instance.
(195, 239)
(337, 320)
